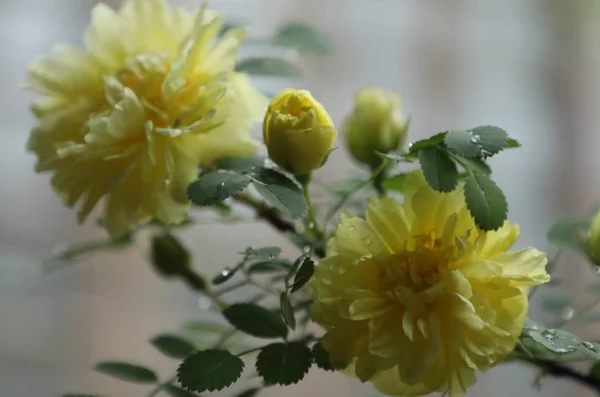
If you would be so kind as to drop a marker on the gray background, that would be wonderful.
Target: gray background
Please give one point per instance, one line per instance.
(531, 67)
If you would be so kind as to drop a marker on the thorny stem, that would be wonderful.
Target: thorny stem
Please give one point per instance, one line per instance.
(271, 216)
(347, 196)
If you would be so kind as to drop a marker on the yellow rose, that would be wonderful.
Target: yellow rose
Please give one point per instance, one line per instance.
(375, 125)
(416, 298)
(129, 118)
(298, 131)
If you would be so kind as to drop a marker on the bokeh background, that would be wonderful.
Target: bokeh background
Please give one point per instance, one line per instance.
(532, 67)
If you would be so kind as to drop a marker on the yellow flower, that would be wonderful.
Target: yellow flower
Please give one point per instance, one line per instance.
(298, 131)
(375, 125)
(129, 118)
(416, 299)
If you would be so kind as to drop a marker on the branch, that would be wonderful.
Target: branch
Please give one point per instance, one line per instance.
(561, 370)
(271, 216)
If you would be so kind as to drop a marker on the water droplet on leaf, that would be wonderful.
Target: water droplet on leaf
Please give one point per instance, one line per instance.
(549, 334)
(589, 345)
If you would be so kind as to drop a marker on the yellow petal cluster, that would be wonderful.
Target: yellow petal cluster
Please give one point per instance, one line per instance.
(298, 132)
(416, 299)
(130, 117)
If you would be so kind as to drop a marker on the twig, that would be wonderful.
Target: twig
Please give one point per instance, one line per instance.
(560, 370)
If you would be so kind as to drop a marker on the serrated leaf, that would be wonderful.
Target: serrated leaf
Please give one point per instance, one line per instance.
(485, 202)
(269, 266)
(239, 163)
(216, 186)
(491, 139)
(473, 164)
(287, 312)
(303, 38)
(176, 391)
(557, 303)
(127, 372)
(262, 253)
(439, 170)
(173, 346)
(395, 183)
(321, 357)
(569, 233)
(280, 191)
(209, 370)
(433, 141)
(249, 393)
(268, 67)
(284, 363)
(463, 143)
(255, 320)
(303, 275)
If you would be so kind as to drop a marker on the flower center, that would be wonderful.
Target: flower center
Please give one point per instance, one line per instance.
(418, 270)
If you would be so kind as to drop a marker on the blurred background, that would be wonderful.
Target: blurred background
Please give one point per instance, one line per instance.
(531, 67)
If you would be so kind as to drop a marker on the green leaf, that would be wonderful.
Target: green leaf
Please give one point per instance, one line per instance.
(287, 312)
(295, 266)
(321, 357)
(512, 143)
(485, 202)
(400, 155)
(303, 275)
(280, 191)
(473, 165)
(434, 141)
(216, 186)
(491, 139)
(176, 391)
(269, 266)
(169, 256)
(557, 303)
(559, 342)
(239, 163)
(463, 143)
(283, 363)
(255, 320)
(204, 327)
(439, 170)
(261, 253)
(249, 392)
(569, 233)
(127, 372)
(173, 346)
(268, 67)
(395, 183)
(209, 370)
(303, 38)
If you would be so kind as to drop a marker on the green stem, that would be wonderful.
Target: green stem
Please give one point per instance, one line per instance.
(311, 224)
(347, 196)
(378, 178)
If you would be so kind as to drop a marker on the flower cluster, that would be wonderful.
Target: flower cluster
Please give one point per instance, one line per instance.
(131, 117)
(416, 298)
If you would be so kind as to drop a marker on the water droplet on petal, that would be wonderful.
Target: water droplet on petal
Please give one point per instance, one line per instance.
(204, 303)
(368, 241)
(352, 228)
(567, 313)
